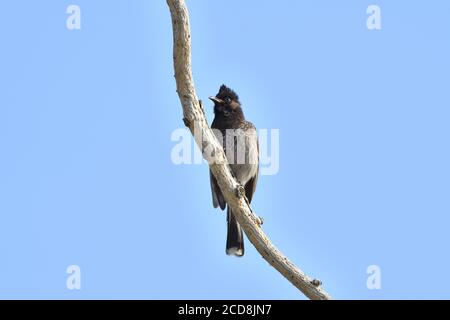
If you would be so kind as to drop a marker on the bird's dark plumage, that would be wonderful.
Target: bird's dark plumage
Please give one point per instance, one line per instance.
(240, 143)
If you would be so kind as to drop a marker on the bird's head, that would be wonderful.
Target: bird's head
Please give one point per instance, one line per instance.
(226, 102)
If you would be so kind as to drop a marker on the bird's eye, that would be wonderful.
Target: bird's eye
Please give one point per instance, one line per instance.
(227, 100)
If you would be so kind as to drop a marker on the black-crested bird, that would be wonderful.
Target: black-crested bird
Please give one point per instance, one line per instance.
(240, 143)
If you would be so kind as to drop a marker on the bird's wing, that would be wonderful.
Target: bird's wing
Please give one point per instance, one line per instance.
(218, 200)
(250, 186)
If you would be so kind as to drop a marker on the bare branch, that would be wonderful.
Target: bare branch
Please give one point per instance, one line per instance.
(195, 119)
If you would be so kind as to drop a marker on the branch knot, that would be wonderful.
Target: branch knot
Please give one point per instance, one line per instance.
(316, 283)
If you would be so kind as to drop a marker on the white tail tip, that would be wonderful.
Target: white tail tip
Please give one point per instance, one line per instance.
(235, 252)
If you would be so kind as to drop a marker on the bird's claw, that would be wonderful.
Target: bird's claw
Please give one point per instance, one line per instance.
(240, 191)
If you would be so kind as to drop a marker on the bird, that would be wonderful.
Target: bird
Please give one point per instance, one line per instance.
(240, 143)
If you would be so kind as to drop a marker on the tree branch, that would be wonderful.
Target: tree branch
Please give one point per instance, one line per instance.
(194, 118)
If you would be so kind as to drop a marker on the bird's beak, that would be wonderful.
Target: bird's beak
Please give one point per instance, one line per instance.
(216, 100)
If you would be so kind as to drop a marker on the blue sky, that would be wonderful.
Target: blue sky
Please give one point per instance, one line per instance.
(86, 176)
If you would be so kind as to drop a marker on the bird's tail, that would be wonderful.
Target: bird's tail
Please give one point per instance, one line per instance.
(235, 238)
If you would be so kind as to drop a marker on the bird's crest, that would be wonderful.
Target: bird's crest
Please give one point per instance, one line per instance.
(224, 92)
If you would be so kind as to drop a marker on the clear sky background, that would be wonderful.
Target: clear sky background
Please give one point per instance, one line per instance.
(86, 176)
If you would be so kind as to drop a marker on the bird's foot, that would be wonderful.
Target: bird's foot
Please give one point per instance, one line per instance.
(240, 191)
